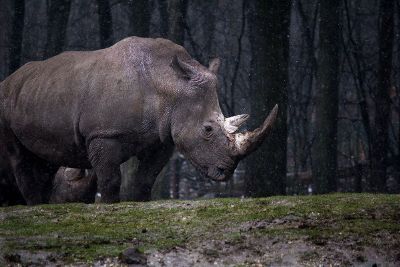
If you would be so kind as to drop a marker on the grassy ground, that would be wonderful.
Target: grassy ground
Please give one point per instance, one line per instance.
(342, 229)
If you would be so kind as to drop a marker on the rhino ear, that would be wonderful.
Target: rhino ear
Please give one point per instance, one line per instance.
(213, 66)
(183, 68)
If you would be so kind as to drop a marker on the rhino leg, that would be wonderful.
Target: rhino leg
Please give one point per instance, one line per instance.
(150, 165)
(105, 156)
(33, 175)
(74, 185)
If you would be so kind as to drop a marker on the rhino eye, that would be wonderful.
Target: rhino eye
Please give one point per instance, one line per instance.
(208, 128)
(207, 131)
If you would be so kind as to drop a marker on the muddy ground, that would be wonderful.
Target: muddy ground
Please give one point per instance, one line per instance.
(328, 230)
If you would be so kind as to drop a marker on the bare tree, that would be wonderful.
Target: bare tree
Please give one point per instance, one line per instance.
(176, 33)
(57, 20)
(105, 23)
(377, 180)
(327, 99)
(163, 22)
(5, 35)
(176, 20)
(266, 168)
(139, 25)
(139, 19)
(16, 35)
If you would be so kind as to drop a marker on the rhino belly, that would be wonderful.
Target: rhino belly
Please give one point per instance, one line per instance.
(51, 135)
(59, 150)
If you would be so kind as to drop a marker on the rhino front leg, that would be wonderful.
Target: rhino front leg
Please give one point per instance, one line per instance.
(150, 165)
(105, 156)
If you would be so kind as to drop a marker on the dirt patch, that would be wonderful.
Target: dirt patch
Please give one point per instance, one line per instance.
(272, 252)
(249, 247)
(249, 252)
(291, 221)
(37, 258)
(330, 230)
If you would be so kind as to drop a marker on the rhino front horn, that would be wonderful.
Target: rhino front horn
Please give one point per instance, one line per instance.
(249, 141)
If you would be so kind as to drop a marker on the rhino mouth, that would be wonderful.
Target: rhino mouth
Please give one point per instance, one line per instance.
(219, 174)
(216, 173)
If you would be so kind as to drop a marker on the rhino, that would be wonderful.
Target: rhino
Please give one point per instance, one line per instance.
(95, 109)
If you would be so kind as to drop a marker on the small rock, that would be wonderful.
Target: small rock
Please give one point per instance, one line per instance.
(15, 258)
(361, 258)
(132, 256)
(319, 241)
(278, 221)
(211, 252)
(303, 225)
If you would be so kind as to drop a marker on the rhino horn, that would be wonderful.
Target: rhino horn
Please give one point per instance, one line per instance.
(232, 124)
(247, 142)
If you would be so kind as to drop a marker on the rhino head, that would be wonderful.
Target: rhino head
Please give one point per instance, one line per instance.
(200, 131)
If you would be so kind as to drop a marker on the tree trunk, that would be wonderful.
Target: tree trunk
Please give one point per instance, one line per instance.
(161, 187)
(105, 23)
(176, 20)
(16, 36)
(5, 36)
(163, 26)
(209, 29)
(139, 20)
(175, 176)
(266, 168)
(327, 99)
(139, 25)
(128, 171)
(176, 33)
(57, 20)
(377, 179)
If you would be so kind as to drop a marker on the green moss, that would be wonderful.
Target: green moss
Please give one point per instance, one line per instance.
(86, 232)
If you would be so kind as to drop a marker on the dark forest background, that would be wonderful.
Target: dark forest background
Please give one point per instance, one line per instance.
(332, 66)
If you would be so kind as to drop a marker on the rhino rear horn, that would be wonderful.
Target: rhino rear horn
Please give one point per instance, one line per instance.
(232, 124)
(249, 141)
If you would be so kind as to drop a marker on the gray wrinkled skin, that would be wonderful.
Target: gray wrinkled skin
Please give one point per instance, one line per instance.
(96, 109)
(73, 185)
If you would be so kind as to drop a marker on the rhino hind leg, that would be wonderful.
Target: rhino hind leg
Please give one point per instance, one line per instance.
(33, 175)
(74, 185)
